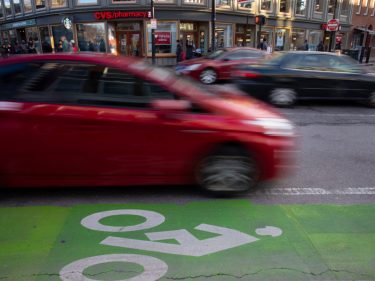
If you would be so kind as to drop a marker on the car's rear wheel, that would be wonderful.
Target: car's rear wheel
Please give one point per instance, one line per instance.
(229, 170)
(208, 76)
(282, 97)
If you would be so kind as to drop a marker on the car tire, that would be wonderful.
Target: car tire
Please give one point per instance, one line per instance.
(371, 99)
(208, 76)
(229, 170)
(282, 97)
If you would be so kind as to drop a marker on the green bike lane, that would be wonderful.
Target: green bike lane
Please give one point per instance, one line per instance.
(212, 240)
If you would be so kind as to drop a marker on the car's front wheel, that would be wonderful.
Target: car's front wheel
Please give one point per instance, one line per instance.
(282, 97)
(208, 76)
(228, 171)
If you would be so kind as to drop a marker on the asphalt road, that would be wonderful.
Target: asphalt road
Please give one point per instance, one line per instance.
(336, 165)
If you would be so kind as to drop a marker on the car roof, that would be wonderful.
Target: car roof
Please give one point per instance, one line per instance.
(243, 48)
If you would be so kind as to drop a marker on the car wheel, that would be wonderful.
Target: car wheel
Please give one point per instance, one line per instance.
(208, 76)
(282, 97)
(228, 171)
(371, 99)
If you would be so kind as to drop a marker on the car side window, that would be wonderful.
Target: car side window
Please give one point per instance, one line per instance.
(243, 54)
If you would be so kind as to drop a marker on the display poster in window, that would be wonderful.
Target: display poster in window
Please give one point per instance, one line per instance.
(162, 38)
(280, 39)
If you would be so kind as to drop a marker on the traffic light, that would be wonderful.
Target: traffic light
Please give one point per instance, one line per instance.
(260, 20)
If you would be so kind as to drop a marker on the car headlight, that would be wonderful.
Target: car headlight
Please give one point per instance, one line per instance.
(273, 126)
(193, 67)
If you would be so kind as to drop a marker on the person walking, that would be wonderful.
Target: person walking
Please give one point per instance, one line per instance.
(178, 52)
(320, 47)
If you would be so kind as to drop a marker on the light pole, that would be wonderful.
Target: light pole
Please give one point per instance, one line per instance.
(213, 19)
(153, 51)
(332, 40)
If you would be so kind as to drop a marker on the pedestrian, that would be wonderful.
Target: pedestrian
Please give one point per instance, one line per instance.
(4, 51)
(178, 52)
(320, 47)
(189, 50)
(31, 46)
(74, 46)
(263, 45)
(59, 48)
(65, 44)
(305, 46)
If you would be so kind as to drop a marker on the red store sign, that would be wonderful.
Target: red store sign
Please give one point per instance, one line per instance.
(162, 38)
(110, 15)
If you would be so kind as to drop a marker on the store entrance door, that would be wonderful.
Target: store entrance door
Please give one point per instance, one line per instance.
(129, 43)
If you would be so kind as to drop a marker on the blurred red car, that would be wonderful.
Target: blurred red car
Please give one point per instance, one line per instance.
(218, 65)
(76, 120)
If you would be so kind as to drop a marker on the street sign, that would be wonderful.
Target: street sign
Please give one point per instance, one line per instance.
(333, 25)
(154, 24)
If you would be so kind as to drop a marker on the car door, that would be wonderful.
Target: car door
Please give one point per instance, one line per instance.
(313, 78)
(235, 58)
(96, 127)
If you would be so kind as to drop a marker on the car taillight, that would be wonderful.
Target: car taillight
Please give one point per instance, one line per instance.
(246, 74)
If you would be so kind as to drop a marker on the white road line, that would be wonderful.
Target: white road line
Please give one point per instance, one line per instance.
(318, 191)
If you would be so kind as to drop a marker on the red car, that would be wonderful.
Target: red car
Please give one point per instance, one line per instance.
(90, 120)
(218, 65)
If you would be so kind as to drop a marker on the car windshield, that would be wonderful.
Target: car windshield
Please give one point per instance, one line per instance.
(216, 54)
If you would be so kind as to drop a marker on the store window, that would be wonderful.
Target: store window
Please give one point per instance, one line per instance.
(33, 39)
(298, 39)
(7, 8)
(46, 40)
(266, 5)
(91, 37)
(243, 36)
(284, 6)
(301, 7)
(40, 4)
(165, 38)
(62, 38)
(57, 3)
(345, 8)
(87, 2)
(125, 1)
(223, 36)
(27, 6)
(319, 6)
(281, 38)
(194, 2)
(226, 4)
(17, 6)
(315, 37)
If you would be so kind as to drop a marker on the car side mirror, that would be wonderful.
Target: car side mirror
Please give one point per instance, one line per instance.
(170, 106)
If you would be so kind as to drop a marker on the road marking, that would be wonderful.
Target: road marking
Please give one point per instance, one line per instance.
(318, 191)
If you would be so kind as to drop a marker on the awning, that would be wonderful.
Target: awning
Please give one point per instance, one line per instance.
(371, 32)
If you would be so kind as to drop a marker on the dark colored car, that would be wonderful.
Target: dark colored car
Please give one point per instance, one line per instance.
(85, 120)
(292, 76)
(218, 65)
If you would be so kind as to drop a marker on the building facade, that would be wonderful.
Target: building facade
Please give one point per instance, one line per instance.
(362, 33)
(123, 27)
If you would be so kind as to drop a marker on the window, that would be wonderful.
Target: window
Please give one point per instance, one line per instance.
(57, 3)
(194, 2)
(331, 7)
(301, 7)
(373, 8)
(27, 6)
(87, 2)
(366, 4)
(40, 4)
(223, 35)
(223, 4)
(165, 38)
(298, 39)
(244, 54)
(7, 8)
(124, 1)
(1, 10)
(91, 37)
(319, 6)
(62, 38)
(345, 8)
(46, 40)
(284, 6)
(246, 5)
(17, 6)
(359, 3)
(266, 5)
